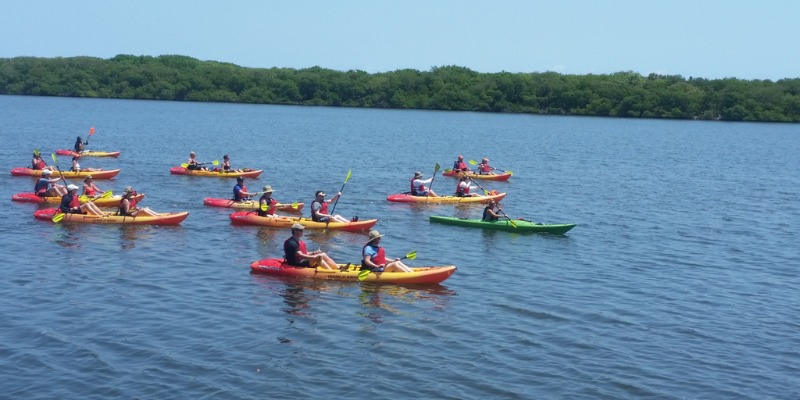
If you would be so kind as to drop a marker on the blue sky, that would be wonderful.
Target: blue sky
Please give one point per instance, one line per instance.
(711, 39)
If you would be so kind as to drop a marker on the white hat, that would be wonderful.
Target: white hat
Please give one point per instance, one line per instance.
(46, 172)
(72, 187)
(298, 227)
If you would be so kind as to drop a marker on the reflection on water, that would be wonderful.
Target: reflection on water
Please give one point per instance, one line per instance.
(67, 235)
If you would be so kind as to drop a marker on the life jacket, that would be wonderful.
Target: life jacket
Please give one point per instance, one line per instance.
(462, 191)
(416, 190)
(38, 164)
(42, 185)
(237, 194)
(487, 216)
(484, 168)
(76, 202)
(459, 166)
(378, 259)
(323, 209)
(131, 206)
(291, 259)
(76, 167)
(271, 206)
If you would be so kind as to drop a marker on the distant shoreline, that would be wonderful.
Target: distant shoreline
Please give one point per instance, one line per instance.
(448, 88)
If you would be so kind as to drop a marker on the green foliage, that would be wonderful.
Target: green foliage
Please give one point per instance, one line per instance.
(622, 94)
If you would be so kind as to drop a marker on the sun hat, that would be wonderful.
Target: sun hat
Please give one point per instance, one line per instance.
(298, 227)
(72, 187)
(373, 234)
(418, 173)
(47, 172)
(268, 189)
(319, 193)
(128, 190)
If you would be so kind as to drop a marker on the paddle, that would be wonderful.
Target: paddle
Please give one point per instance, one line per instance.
(435, 170)
(265, 206)
(105, 195)
(37, 153)
(509, 219)
(347, 178)
(473, 162)
(365, 273)
(91, 132)
(186, 165)
(58, 217)
(55, 162)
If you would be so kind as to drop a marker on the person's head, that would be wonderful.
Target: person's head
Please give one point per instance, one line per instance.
(128, 191)
(460, 157)
(268, 189)
(319, 194)
(240, 179)
(46, 173)
(72, 188)
(492, 203)
(418, 174)
(297, 229)
(192, 155)
(485, 160)
(374, 237)
(225, 157)
(78, 139)
(88, 179)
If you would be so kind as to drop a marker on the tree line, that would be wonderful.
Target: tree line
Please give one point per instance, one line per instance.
(622, 94)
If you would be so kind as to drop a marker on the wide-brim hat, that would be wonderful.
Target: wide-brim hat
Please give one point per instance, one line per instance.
(373, 234)
(417, 173)
(268, 189)
(128, 190)
(298, 227)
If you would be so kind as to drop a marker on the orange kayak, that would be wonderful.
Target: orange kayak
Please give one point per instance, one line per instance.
(488, 177)
(246, 173)
(249, 205)
(279, 221)
(109, 218)
(101, 202)
(102, 174)
(409, 198)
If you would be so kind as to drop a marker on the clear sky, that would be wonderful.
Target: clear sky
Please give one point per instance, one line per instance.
(699, 38)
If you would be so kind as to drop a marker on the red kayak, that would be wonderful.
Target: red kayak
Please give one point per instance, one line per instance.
(246, 173)
(347, 272)
(88, 153)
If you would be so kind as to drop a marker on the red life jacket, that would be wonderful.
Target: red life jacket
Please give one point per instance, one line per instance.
(39, 164)
(459, 166)
(76, 202)
(461, 191)
(414, 190)
(485, 168)
(271, 206)
(378, 259)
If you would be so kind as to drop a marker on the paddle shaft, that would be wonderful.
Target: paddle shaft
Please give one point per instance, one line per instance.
(338, 195)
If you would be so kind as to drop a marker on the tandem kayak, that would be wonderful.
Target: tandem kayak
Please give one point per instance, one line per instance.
(101, 174)
(409, 198)
(347, 272)
(471, 175)
(88, 153)
(522, 226)
(174, 218)
(246, 173)
(101, 202)
(249, 205)
(278, 221)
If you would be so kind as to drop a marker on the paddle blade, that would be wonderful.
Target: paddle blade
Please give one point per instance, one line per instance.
(53, 156)
(349, 173)
(264, 207)
(363, 274)
(83, 198)
(412, 255)
(58, 217)
(37, 153)
(184, 165)
(436, 168)
(295, 205)
(91, 131)
(215, 162)
(473, 162)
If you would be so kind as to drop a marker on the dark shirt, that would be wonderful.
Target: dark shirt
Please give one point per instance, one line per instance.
(290, 248)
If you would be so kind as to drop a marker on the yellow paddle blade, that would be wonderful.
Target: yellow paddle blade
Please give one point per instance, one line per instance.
(83, 198)
(36, 151)
(215, 162)
(58, 217)
(349, 172)
(436, 168)
(295, 205)
(185, 165)
(264, 207)
(473, 162)
(53, 156)
(412, 255)
(363, 274)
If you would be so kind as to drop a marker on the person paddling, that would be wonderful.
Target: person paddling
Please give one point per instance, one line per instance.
(240, 192)
(490, 213)
(80, 145)
(460, 165)
(46, 186)
(90, 189)
(193, 164)
(418, 187)
(319, 208)
(463, 187)
(266, 204)
(70, 203)
(296, 254)
(375, 259)
(127, 207)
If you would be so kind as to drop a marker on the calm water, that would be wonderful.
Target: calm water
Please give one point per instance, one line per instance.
(680, 281)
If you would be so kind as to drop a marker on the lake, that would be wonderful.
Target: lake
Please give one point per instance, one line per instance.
(679, 281)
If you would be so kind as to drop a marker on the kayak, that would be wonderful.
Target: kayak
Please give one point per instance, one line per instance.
(88, 153)
(279, 221)
(348, 272)
(174, 218)
(249, 205)
(102, 174)
(489, 177)
(246, 173)
(522, 226)
(409, 198)
(101, 202)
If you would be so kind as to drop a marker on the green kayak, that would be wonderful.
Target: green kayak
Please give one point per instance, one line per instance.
(522, 226)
